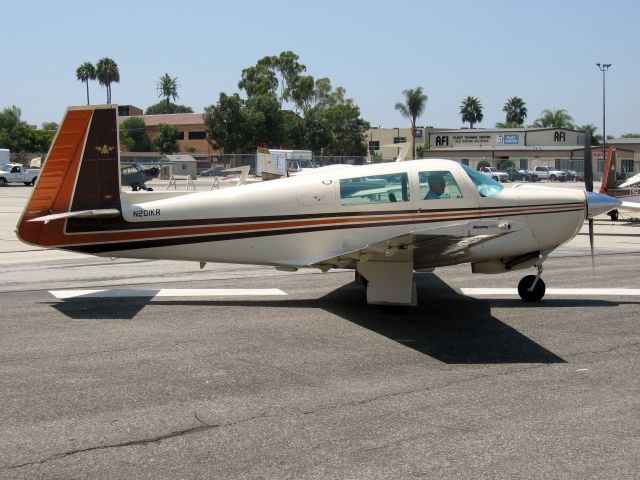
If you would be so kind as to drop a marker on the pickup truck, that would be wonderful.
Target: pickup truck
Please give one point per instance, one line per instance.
(496, 174)
(16, 173)
(551, 174)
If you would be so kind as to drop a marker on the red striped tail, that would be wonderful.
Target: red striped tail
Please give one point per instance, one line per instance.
(82, 172)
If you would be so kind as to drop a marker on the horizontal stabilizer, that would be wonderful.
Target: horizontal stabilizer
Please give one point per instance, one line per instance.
(107, 212)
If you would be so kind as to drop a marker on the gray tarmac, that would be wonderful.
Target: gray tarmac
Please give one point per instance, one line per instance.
(316, 384)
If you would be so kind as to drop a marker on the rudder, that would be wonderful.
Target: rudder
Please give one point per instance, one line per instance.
(82, 172)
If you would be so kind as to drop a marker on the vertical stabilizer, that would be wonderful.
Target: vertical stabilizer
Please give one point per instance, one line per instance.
(82, 172)
(609, 173)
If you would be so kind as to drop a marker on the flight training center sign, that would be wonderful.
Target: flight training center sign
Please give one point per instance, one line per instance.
(457, 139)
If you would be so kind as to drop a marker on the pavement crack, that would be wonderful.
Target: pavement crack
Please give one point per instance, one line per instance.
(203, 426)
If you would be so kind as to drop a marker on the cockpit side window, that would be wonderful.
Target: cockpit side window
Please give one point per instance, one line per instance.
(486, 186)
(438, 185)
(389, 188)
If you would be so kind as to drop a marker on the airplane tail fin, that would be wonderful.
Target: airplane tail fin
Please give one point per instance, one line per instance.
(266, 166)
(81, 176)
(609, 174)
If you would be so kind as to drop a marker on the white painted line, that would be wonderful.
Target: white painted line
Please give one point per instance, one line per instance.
(167, 292)
(579, 292)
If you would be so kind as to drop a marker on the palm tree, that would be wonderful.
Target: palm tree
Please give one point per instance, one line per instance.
(107, 73)
(84, 73)
(515, 110)
(168, 88)
(508, 125)
(412, 108)
(471, 111)
(557, 118)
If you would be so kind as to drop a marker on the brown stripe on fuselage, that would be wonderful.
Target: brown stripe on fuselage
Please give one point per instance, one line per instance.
(177, 236)
(228, 233)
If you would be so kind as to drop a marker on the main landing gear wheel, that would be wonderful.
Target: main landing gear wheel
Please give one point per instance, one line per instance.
(525, 291)
(614, 215)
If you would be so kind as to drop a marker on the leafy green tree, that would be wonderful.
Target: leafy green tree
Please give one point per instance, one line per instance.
(168, 89)
(347, 130)
(557, 118)
(160, 108)
(471, 111)
(412, 108)
(37, 140)
(317, 135)
(294, 127)
(284, 72)
(226, 126)
(508, 125)
(264, 119)
(630, 135)
(482, 164)
(51, 126)
(260, 79)
(167, 141)
(516, 111)
(84, 73)
(12, 129)
(107, 73)
(133, 133)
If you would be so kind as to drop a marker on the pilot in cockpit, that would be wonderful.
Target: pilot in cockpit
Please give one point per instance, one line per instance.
(436, 187)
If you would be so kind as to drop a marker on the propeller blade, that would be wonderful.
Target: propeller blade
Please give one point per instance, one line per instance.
(588, 167)
(593, 261)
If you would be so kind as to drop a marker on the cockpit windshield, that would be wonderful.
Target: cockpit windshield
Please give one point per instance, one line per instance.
(486, 186)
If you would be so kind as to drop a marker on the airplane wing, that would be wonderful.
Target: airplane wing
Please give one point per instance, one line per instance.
(429, 247)
(630, 181)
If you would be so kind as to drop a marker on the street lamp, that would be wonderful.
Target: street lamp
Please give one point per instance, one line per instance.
(603, 68)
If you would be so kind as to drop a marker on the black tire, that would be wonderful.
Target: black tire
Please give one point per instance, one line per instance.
(3, 182)
(33, 182)
(614, 214)
(537, 293)
(552, 178)
(27, 183)
(149, 189)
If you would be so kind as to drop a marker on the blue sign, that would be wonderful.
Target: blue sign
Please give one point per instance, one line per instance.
(508, 139)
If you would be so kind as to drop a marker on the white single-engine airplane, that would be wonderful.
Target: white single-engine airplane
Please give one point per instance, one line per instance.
(406, 217)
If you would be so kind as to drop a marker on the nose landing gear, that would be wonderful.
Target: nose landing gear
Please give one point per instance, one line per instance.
(531, 288)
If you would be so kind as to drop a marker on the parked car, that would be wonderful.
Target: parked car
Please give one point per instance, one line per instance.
(573, 176)
(521, 175)
(16, 173)
(496, 174)
(551, 174)
(212, 172)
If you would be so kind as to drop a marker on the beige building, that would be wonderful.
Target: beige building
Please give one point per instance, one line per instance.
(526, 148)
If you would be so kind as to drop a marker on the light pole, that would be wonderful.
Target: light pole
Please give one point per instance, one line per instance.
(603, 68)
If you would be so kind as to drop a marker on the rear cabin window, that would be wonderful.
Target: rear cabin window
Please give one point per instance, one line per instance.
(389, 188)
(438, 185)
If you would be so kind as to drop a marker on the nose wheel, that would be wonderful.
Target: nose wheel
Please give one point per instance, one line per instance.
(531, 288)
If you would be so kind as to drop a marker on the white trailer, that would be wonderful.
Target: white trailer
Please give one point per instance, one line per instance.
(5, 156)
(283, 161)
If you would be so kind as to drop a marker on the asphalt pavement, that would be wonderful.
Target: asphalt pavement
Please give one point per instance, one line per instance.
(314, 383)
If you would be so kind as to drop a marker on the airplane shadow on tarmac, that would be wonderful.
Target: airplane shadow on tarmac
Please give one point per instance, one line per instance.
(445, 325)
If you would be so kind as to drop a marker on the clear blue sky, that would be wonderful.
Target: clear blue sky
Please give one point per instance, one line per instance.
(543, 51)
